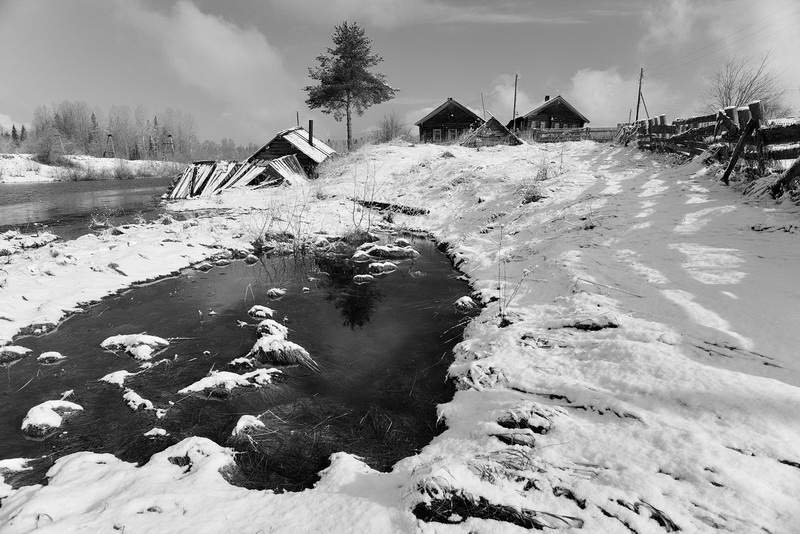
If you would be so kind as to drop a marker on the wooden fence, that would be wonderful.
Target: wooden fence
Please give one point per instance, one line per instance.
(554, 135)
(729, 134)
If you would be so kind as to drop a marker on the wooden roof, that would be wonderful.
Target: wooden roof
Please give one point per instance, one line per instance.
(298, 138)
(447, 103)
(544, 104)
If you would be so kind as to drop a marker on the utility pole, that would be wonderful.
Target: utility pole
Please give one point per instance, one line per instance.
(484, 107)
(639, 98)
(514, 112)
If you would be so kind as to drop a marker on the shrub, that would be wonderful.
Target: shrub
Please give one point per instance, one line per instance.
(390, 127)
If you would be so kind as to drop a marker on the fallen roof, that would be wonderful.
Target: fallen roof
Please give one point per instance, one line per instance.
(298, 138)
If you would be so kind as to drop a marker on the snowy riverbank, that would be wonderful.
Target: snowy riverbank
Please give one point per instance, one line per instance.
(22, 168)
(634, 369)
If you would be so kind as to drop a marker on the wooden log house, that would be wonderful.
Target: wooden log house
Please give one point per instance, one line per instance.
(296, 141)
(554, 113)
(447, 122)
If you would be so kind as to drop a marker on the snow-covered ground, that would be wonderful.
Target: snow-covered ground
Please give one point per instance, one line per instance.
(21, 168)
(635, 368)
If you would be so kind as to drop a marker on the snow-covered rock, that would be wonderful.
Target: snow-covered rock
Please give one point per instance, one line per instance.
(47, 417)
(50, 357)
(225, 380)
(260, 312)
(140, 346)
(245, 423)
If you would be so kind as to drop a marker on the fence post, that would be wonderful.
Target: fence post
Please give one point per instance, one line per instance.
(757, 113)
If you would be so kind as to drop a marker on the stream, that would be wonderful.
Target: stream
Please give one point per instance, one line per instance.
(382, 349)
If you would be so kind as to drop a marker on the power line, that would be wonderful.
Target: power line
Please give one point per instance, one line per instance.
(750, 27)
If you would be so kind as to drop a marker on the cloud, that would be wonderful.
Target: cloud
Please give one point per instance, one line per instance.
(606, 97)
(129, 52)
(5, 122)
(235, 66)
(702, 34)
(500, 100)
(393, 13)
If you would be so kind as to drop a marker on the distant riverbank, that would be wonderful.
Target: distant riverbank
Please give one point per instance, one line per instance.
(22, 168)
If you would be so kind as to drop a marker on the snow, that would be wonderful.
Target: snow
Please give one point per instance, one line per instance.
(260, 312)
(47, 416)
(228, 380)
(654, 339)
(21, 168)
(50, 356)
(140, 346)
(245, 422)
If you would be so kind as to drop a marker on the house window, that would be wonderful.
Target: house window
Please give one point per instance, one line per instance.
(557, 125)
(452, 135)
(437, 136)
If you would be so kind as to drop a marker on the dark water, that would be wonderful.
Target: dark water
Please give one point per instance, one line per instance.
(383, 349)
(67, 207)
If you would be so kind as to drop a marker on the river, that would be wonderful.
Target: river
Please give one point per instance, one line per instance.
(66, 208)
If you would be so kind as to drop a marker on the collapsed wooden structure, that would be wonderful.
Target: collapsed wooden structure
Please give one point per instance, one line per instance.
(289, 158)
(491, 133)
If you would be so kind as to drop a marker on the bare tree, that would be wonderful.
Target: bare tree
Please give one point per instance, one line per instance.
(742, 80)
(391, 127)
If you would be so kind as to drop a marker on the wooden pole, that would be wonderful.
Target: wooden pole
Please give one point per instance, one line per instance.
(751, 125)
(639, 97)
(757, 113)
(484, 110)
(514, 112)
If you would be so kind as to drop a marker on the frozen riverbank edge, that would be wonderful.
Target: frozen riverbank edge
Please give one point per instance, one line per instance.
(625, 391)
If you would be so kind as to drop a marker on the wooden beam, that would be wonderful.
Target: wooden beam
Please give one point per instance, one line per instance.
(751, 125)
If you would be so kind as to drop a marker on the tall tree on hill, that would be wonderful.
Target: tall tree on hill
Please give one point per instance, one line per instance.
(345, 82)
(14, 134)
(742, 80)
(23, 134)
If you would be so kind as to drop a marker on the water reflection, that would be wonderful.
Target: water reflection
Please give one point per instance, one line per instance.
(383, 349)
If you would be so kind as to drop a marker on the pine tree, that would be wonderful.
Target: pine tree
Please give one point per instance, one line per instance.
(345, 83)
(14, 134)
(23, 134)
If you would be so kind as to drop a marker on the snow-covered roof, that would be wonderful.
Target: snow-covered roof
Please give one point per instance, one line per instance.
(298, 138)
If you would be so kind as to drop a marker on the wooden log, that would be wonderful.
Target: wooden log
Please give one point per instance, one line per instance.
(781, 134)
(783, 184)
(726, 120)
(751, 125)
(757, 114)
(743, 114)
(730, 112)
(696, 120)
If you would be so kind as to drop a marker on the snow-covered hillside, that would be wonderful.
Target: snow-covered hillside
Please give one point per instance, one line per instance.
(635, 368)
(16, 168)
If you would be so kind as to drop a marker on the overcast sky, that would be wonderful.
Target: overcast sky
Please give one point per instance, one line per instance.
(239, 66)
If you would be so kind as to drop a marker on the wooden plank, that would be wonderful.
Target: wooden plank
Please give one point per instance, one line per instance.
(751, 125)
(781, 134)
(696, 120)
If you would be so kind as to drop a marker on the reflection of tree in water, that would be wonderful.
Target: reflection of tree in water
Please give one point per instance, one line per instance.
(355, 302)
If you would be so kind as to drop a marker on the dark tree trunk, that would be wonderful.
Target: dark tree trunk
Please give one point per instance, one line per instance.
(349, 125)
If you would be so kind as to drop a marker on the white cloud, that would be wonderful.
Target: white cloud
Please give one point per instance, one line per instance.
(130, 52)
(500, 100)
(606, 97)
(5, 122)
(393, 13)
(235, 66)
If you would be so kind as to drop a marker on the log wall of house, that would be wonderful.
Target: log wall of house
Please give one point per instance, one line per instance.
(451, 118)
(281, 147)
(556, 115)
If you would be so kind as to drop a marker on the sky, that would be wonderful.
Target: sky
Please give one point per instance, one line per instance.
(239, 66)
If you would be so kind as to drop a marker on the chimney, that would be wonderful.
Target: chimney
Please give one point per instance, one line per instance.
(546, 98)
(311, 132)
